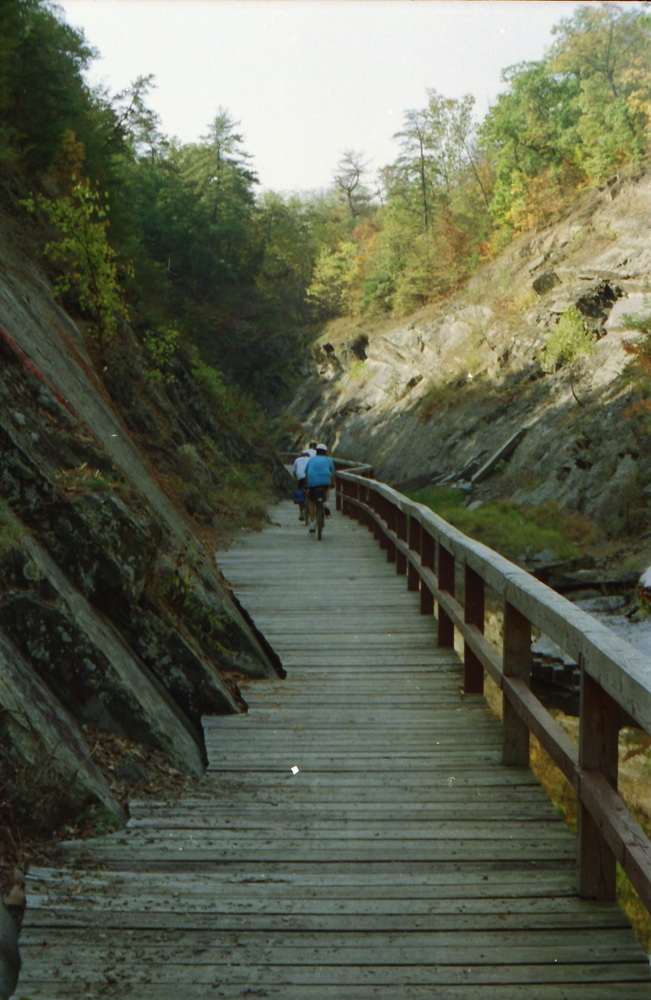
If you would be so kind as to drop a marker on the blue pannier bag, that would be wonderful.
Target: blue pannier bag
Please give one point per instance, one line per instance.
(299, 496)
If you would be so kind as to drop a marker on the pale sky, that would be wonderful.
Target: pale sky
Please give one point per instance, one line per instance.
(309, 79)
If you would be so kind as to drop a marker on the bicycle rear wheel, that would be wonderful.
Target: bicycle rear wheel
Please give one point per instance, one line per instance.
(319, 519)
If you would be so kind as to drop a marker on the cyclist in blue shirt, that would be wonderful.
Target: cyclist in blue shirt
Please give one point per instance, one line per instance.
(319, 473)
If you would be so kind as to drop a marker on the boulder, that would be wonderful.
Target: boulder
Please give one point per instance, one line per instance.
(545, 282)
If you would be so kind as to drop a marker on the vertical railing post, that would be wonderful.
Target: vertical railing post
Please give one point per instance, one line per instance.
(401, 532)
(365, 495)
(376, 506)
(473, 615)
(389, 517)
(516, 663)
(340, 491)
(415, 532)
(598, 751)
(446, 583)
(347, 491)
(427, 550)
(357, 493)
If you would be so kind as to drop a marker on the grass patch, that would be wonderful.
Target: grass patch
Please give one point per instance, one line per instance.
(512, 530)
(82, 480)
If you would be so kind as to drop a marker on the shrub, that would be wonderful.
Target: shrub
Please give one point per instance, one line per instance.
(160, 346)
(569, 340)
(228, 402)
(88, 264)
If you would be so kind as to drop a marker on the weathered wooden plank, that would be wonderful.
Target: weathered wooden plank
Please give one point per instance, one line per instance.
(458, 884)
(337, 919)
(389, 822)
(343, 763)
(207, 844)
(111, 972)
(308, 991)
(337, 948)
(334, 853)
(201, 911)
(410, 782)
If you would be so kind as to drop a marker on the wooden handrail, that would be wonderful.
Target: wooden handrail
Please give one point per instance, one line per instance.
(343, 464)
(615, 677)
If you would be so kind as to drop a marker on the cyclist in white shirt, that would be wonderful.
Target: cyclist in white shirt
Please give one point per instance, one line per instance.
(298, 471)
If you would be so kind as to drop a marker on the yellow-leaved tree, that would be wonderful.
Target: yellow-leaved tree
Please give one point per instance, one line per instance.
(88, 263)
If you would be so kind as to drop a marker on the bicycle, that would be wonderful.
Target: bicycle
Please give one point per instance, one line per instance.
(319, 496)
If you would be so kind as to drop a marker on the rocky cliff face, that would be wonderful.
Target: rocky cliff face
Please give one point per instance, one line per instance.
(113, 614)
(457, 393)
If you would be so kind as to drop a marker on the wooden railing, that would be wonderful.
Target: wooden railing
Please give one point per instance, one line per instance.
(435, 558)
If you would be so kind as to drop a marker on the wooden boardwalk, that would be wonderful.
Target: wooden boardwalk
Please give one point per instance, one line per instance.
(355, 838)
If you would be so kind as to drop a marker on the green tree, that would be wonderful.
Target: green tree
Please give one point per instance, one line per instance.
(524, 135)
(349, 180)
(606, 52)
(335, 273)
(87, 263)
(436, 212)
(573, 117)
(136, 123)
(410, 177)
(42, 90)
(288, 256)
(217, 171)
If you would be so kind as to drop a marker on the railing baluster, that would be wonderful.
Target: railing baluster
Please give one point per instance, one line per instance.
(362, 496)
(516, 663)
(446, 583)
(401, 531)
(344, 490)
(366, 495)
(427, 550)
(598, 751)
(389, 516)
(413, 576)
(376, 505)
(473, 615)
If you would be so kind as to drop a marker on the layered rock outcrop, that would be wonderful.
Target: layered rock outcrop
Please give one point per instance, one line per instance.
(458, 393)
(113, 614)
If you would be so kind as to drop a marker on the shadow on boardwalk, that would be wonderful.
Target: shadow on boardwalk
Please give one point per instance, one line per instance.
(355, 837)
